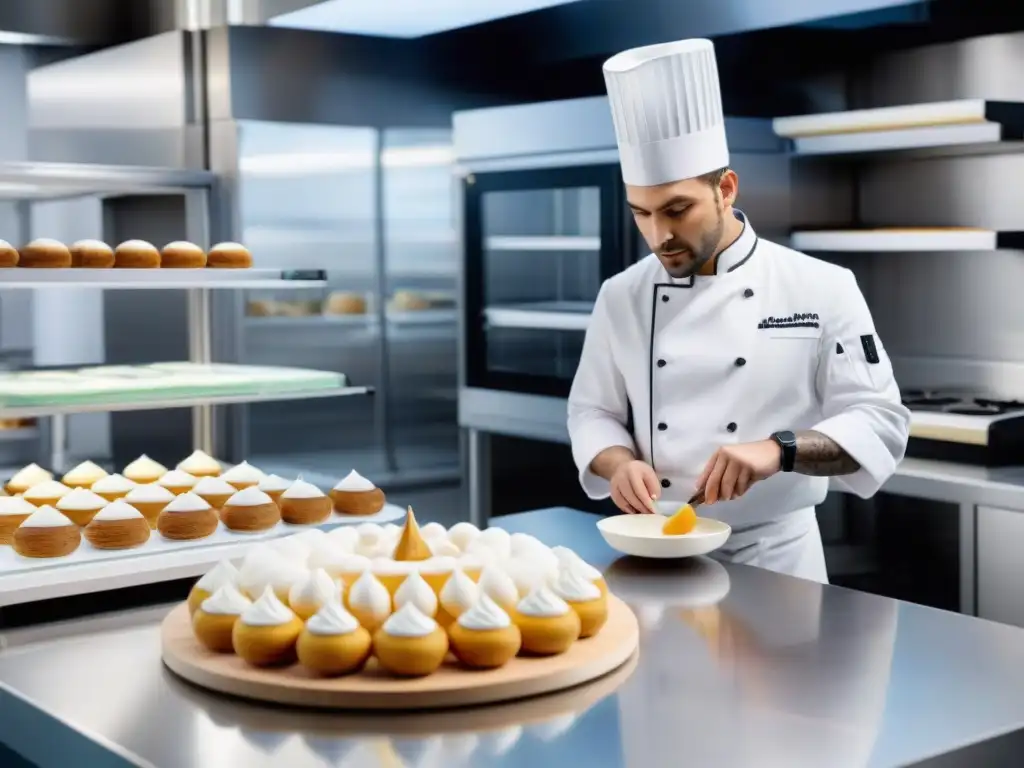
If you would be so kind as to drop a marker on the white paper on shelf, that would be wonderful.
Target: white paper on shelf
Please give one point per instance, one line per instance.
(882, 118)
(87, 569)
(900, 240)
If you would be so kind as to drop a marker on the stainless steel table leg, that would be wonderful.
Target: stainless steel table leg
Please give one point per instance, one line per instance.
(968, 559)
(200, 346)
(479, 478)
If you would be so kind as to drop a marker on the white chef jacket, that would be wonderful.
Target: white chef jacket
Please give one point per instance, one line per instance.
(774, 340)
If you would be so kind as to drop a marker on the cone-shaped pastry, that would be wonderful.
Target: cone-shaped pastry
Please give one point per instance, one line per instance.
(250, 510)
(150, 500)
(243, 475)
(200, 464)
(500, 587)
(458, 595)
(416, 590)
(369, 601)
(46, 533)
(215, 491)
(112, 487)
(274, 486)
(46, 493)
(411, 545)
(214, 618)
(177, 481)
(84, 475)
(308, 596)
(266, 632)
(333, 643)
(187, 517)
(81, 505)
(410, 644)
(26, 477)
(547, 623)
(14, 510)
(118, 525)
(585, 598)
(567, 558)
(355, 495)
(223, 573)
(304, 504)
(484, 637)
(144, 470)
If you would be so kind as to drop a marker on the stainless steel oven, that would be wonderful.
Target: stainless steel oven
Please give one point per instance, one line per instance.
(538, 244)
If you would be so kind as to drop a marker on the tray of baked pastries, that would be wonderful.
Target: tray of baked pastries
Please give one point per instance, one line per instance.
(372, 617)
(96, 384)
(47, 253)
(90, 515)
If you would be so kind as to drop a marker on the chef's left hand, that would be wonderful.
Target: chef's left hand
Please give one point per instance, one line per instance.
(732, 469)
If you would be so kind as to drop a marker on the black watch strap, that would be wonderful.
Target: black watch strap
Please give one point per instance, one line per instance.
(787, 442)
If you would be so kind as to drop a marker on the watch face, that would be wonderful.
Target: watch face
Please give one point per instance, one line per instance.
(786, 437)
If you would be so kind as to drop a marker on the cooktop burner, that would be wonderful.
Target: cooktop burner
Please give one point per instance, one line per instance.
(961, 402)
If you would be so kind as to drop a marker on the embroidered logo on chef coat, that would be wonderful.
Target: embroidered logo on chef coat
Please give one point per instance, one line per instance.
(796, 320)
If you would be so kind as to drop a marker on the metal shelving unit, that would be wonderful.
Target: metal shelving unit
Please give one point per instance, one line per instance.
(34, 182)
(906, 240)
(544, 315)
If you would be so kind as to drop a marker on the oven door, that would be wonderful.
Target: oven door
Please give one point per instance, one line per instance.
(538, 246)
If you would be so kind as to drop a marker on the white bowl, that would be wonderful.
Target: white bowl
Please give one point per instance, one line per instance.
(641, 536)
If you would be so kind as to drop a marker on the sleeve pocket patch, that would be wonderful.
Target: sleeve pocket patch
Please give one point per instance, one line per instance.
(870, 349)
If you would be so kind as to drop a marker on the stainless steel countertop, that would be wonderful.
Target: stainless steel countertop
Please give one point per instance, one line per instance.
(737, 667)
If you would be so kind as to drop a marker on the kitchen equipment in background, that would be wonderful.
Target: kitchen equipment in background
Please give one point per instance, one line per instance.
(964, 426)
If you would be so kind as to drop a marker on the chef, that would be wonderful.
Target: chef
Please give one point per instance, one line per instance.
(746, 369)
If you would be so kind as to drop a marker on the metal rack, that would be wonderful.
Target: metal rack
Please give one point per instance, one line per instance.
(33, 182)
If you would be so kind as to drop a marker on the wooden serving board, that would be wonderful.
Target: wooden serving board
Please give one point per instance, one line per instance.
(374, 689)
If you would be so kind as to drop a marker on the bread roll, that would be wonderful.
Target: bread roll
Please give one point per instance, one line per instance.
(136, 254)
(229, 256)
(44, 253)
(91, 254)
(182, 255)
(8, 255)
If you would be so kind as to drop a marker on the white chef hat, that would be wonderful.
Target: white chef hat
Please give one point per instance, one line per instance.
(667, 109)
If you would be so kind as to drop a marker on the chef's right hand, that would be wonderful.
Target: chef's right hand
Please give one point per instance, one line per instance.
(634, 487)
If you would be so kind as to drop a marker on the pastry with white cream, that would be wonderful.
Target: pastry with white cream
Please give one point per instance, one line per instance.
(585, 598)
(308, 596)
(484, 637)
(84, 475)
(548, 624)
(568, 558)
(431, 531)
(527, 574)
(333, 643)
(266, 632)
(462, 535)
(200, 464)
(274, 486)
(177, 481)
(250, 510)
(221, 574)
(81, 505)
(355, 495)
(215, 491)
(500, 587)
(46, 493)
(437, 570)
(144, 470)
(441, 547)
(46, 533)
(369, 601)
(391, 573)
(150, 500)
(457, 596)
(243, 475)
(113, 487)
(497, 540)
(264, 567)
(329, 557)
(344, 538)
(14, 510)
(187, 517)
(351, 567)
(303, 503)
(214, 617)
(118, 525)
(416, 590)
(410, 643)
(26, 477)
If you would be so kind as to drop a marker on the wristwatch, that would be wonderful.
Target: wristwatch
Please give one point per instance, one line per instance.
(787, 442)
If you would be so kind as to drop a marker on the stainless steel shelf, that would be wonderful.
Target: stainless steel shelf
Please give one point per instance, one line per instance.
(966, 126)
(153, 279)
(542, 243)
(27, 181)
(401, 318)
(21, 434)
(179, 402)
(906, 240)
(547, 315)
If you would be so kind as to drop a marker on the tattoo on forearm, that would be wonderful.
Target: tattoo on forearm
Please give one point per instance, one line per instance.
(820, 455)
